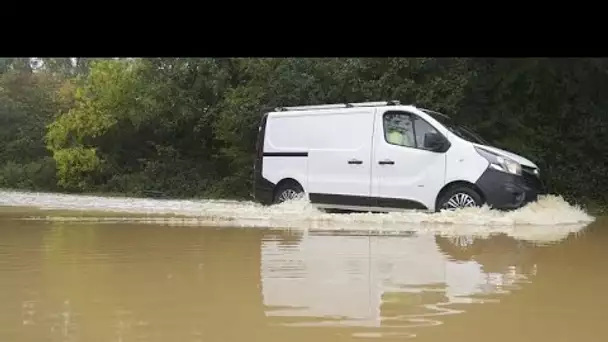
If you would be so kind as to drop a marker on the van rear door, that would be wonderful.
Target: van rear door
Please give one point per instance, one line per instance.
(339, 166)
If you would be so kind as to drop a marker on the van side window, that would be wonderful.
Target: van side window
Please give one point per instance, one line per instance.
(398, 129)
(421, 128)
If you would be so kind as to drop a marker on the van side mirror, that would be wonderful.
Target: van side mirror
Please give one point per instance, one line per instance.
(436, 142)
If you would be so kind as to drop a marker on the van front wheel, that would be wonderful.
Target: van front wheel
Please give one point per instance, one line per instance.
(459, 197)
(287, 192)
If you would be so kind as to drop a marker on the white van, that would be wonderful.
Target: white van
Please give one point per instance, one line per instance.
(384, 156)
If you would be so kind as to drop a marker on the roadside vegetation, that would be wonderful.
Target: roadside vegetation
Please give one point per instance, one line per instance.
(182, 127)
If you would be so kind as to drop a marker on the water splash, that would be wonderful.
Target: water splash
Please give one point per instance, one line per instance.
(548, 218)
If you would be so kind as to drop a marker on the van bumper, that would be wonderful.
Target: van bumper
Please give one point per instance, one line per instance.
(506, 191)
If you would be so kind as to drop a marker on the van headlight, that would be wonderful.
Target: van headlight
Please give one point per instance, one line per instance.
(500, 163)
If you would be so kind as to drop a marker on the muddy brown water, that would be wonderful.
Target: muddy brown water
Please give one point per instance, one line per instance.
(136, 282)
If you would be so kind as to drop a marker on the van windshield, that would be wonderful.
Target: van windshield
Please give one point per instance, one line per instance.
(461, 131)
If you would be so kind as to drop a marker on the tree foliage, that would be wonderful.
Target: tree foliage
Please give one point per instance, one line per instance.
(186, 127)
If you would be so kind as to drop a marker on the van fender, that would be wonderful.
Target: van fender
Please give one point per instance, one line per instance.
(280, 178)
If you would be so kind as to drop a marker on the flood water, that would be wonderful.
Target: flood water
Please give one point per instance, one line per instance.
(130, 281)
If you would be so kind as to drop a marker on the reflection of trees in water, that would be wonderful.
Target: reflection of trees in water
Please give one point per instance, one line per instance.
(154, 282)
(566, 300)
(19, 279)
(150, 282)
(286, 238)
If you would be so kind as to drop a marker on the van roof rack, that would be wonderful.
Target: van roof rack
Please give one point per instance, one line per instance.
(340, 105)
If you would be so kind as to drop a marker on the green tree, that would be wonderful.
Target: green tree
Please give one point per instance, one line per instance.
(27, 104)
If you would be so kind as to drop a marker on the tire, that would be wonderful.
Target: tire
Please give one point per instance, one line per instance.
(458, 197)
(288, 191)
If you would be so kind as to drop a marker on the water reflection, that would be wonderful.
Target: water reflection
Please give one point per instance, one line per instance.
(388, 282)
(63, 282)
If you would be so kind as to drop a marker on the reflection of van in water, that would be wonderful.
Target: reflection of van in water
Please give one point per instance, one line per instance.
(370, 280)
(383, 156)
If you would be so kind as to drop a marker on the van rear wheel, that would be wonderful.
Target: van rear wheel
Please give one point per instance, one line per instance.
(287, 192)
(459, 197)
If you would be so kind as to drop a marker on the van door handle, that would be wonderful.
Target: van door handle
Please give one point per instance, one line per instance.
(386, 162)
(354, 161)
